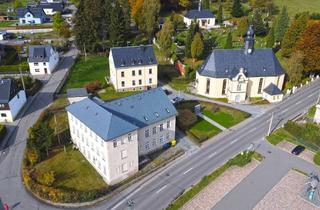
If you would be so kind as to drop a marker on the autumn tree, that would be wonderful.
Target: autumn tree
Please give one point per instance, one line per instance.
(150, 12)
(219, 18)
(193, 29)
(282, 25)
(227, 5)
(267, 6)
(270, 38)
(197, 46)
(309, 45)
(164, 38)
(185, 3)
(294, 68)
(60, 26)
(293, 33)
(228, 43)
(242, 26)
(237, 9)
(17, 4)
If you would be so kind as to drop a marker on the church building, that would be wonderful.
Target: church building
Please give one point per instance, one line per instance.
(241, 74)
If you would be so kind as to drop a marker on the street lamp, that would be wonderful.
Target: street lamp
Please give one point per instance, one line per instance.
(270, 125)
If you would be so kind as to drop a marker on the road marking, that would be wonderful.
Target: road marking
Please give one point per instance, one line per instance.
(187, 170)
(213, 154)
(234, 141)
(299, 102)
(253, 129)
(285, 110)
(310, 95)
(123, 200)
(161, 189)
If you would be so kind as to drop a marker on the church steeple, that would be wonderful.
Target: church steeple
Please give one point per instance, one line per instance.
(249, 41)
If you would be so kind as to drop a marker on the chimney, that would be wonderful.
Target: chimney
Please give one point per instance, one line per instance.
(199, 6)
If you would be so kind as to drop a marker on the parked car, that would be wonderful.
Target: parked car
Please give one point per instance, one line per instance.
(176, 100)
(20, 37)
(297, 150)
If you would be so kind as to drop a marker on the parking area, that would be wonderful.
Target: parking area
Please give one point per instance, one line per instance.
(288, 147)
(286, 194)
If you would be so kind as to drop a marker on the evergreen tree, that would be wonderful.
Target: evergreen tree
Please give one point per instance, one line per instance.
(270, 38)
(165, 38)
(219, 18)
(185, 3)
(282, 25)
(194, 28)
(126, 12)
(258, 25)
(292, 34)
(242, 26)
(197, 46)
(228, 44)
(206, 4)
(227, 5)
(117, 25)
(17, 4)
(236, 9)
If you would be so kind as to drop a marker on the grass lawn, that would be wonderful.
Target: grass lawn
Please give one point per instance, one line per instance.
(225, 116)
(297, 6)
(203, 130)
(83, 72)
(312, 112)
(279, 135)
(110, 94)
(7, 23)
(73, 171)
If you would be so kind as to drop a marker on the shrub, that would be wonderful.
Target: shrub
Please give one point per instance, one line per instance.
(46, 178)
(94, 86)
(32, 156)
(316, 158)
(186, 119)
(3, 131)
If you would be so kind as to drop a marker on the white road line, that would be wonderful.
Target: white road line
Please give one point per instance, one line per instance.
(309, 95)
(161, 189)
(285, 110)
(213, 154)
(253, 129)
(234, 141)
(187, 170)
(299, 102)
(123, 200)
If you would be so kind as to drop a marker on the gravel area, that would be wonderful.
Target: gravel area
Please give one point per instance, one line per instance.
(288, 147)
(286, 194)
(216, 190)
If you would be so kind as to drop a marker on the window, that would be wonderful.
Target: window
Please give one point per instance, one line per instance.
(44, 63)
(123, 141)
(122, 74)
(260, 85)
(150, 80)
(124, 167)
(140, 82)
(133, 73)
(36, 64)
(129, 137)
(239, 87)
(36, 70)
(150, 71)
(147, 146)
(124, 154)
(161, 127)
(224, 86)
(154, 130)
(122, 84)
(168, 124)
(154, 143)
(115, 144)
(146, 133)
(133, 82)
(168, 136)
(161, 139)
(3, 115)
(140, 72)
(208, 86)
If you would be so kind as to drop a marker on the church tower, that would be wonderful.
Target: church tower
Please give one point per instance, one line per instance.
(249, 41)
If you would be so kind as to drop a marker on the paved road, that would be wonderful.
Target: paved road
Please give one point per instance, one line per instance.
(159, 189)
(12, 190)
(256, 185)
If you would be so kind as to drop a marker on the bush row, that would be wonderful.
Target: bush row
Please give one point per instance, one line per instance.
(3, 131)
(14, 68)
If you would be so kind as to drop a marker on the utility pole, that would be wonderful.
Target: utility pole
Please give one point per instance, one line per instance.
(22, 80)
(270, 125)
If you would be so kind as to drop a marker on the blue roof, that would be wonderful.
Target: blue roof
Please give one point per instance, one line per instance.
(112, 119)
(55, 6)
(8, 90)
(194, 14)
(133, 56)
(223, 63)
(272, 89)
(37, 12)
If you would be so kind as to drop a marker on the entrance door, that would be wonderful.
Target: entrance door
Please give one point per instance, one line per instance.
(45, 71)
(237, 99)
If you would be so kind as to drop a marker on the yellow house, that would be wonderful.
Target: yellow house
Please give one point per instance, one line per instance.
(239, 74)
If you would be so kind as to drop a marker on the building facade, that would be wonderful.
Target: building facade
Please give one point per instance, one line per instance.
(12, 100)
(238, 74)
(133, 68)
(205, 18)
(43, 59)
(31, 15)
(112, 135)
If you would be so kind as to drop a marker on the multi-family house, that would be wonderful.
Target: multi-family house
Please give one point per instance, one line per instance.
(43, 59)
(133, 68)
(112, 135)
(12, 100)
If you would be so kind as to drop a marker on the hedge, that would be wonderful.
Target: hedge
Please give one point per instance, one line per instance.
(316, 158)
(3, 131)
(14, 68)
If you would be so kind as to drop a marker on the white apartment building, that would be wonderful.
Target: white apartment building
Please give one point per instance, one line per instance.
(133, 68)
(112, 135)
(12, 100)
(43, 59)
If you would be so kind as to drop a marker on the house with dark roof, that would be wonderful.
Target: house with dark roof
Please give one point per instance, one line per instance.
(133, 68)
(42, 59)
(51, 8)
(205, 18)
(12, 100)
(31, 15)
(76, 94)
(239, 74)
(112, 135)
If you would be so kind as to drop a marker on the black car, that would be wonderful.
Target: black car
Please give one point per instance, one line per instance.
(297, 150)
